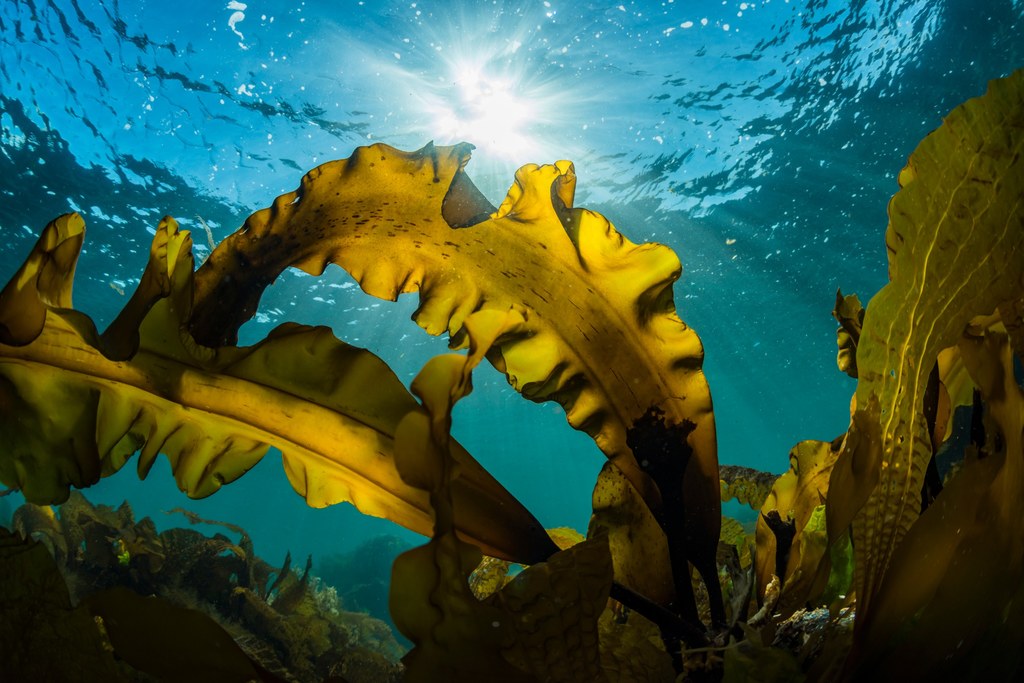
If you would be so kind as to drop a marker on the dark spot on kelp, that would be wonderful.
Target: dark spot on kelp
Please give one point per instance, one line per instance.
(662, 451)
(784, 531)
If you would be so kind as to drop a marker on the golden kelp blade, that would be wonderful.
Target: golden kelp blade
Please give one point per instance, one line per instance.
(956, 250)
(950, 605)
(70, 413)
(640, 554)
(455, 636)
(515, 635)
(600, 333)
(849, 313)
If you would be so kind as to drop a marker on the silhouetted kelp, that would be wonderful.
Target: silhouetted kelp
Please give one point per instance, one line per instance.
(174, 605)
(921, 577)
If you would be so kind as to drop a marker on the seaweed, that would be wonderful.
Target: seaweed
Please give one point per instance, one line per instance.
(186, 606)
(956, 258)
(599, 332)
(892, 552)
(146, 386)
(790, 535)
(37, 618)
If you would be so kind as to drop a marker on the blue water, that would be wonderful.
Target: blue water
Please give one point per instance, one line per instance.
(759, 140)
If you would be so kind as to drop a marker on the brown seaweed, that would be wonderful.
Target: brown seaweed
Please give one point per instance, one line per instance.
(332, 409)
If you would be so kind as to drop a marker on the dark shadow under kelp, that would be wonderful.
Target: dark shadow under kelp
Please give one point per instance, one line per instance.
(172, 605)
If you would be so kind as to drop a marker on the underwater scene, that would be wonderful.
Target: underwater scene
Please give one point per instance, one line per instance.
(527, 341)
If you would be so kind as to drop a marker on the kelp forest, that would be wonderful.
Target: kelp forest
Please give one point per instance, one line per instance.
(893, 552)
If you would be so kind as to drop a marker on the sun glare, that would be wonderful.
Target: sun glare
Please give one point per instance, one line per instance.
(502, 86)
(486, 110)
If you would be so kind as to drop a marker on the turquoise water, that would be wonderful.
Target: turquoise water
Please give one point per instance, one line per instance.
(759, 140)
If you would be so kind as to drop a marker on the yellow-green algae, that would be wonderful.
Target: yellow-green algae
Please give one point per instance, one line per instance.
(556, 298)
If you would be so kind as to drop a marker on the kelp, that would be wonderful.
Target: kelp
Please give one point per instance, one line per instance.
(937, 409)
(190, 646)
(570, 311)
(493, 573)
(543, 625)
(849, 313)
(632, 651)
(78, 405)
(954, 583)
(147, 384)
(655, 440)
(38, 619)
(589, 300)
(639, 547)
(956, 252)
(455, 636)
(796, 502)
(209, 609)
(600, 334)
(1011, 314)
(745, 485)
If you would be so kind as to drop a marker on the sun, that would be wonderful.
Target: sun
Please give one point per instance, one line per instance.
(498, 90)
(487, 109)
(501, 84)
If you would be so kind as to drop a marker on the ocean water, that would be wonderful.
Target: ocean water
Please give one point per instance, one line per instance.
(760, 140)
